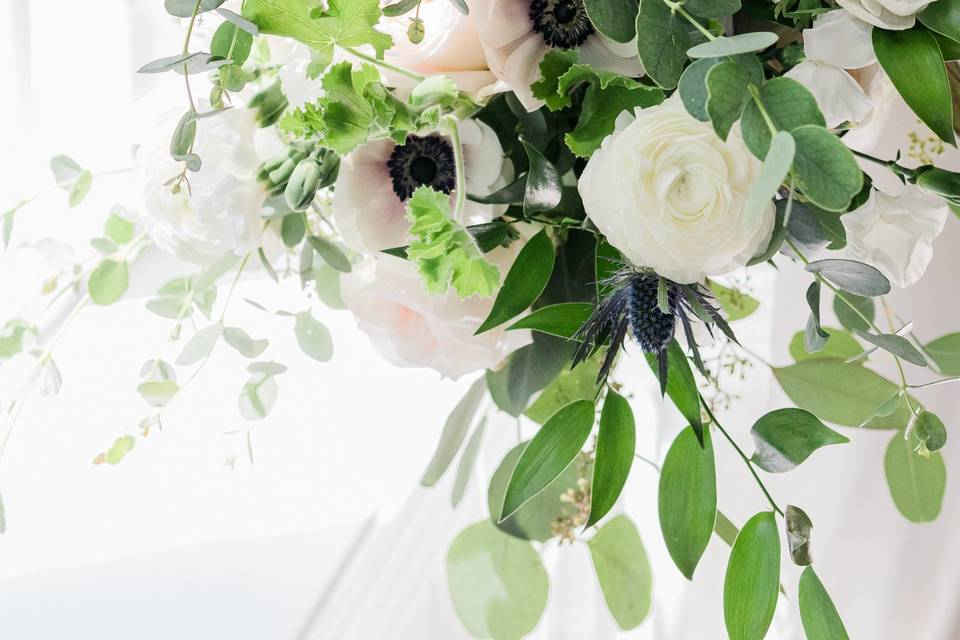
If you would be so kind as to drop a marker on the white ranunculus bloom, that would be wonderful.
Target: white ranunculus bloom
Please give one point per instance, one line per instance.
(835, 42)
(669, 194)
(886, 14)
(450, 47)
(516, 44)
(219, 213)
(411, 328)
(895, 234)
(374, 182)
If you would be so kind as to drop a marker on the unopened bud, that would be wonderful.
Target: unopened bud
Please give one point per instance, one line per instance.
(416, 31)
(303, 185)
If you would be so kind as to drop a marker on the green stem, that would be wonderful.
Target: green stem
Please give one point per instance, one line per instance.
(743, 456)
(383, 64)
(678, 7)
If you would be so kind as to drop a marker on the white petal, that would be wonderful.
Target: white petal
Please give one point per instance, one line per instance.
(873, 13)
(603, 53)
(483, 156)
(839, 39)
(840, 97)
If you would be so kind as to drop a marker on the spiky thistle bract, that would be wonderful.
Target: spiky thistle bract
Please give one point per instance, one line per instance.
(649, 307)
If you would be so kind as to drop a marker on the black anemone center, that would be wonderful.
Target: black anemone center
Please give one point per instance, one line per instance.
(652, 328)
(561, 23)
(422, 161)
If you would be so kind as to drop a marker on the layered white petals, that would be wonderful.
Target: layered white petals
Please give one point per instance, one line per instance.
(669, 194)
(895, 234)
(219, 213)
(371, 217)
(450, 47)
(895, 15)
(293, 59)
(514, 50)
(840, 97)
(411, 328)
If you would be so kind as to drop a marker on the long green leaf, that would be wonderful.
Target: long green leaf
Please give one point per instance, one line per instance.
(786, 437)
(454, 433)
(524, 282)
(561, 320)
(914, 62)
(753, 575)
(681, 386)
(820, 618)
(550, 451)
(687, 499)
(616, 445)
(916, 483)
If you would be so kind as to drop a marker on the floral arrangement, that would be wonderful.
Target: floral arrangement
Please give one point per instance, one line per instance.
(518, 190)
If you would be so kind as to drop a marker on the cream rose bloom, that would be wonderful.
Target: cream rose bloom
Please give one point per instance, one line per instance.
(837, 41)
(895, 234)
(515, 46)
(669, 194)
(220, 212)
(369, 211)
(886, 14)
(411, 328)
(450, 47)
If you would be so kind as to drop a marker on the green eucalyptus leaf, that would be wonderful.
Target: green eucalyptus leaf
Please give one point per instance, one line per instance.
(561, 320)
(733, 45)
(752, 579)
(916, 483)
(841, 393)
(897, 345)
(786, 437)
(815, 338)
(526, 280)
(454, 433)
(788, 104)
(663, 44)
(258, 396)
(852, 276)
(929, 428)
(693, 87)
(243, 343)
(108, 282)
(715, 9)
(849, 317)
(726, 94)
(914, 62)
(820, 618)
(497, 583)
(616, 445)
(543, 189)
(615, 19)
(200, 346)
(331, 253)
(623, 571)
(313, 337)
(841, 346)
(231, 42)
(549, 452)
(157, 393)
(687, 499)
(827, 172)
(775, 168)
(185, 8)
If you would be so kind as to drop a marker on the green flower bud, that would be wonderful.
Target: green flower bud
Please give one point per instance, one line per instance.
(416, 31)
(939, 182)
(303, 184)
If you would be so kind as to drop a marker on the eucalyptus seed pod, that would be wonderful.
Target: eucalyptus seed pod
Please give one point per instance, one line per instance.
(416, 31)
(940, 182)
(303, 184)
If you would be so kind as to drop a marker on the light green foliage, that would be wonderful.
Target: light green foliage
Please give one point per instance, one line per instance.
(444, 252)
(786, 437)
(313, 337)
(108, 282)
(347, 23)
(578, 383)
(11, 337)
(498, 583)
(733, 45)
(259, 393)
(736, 305)
(454, 433)
(117, 451)
(840, 346)
(820, 618)
(70, 177)
(623, 571)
